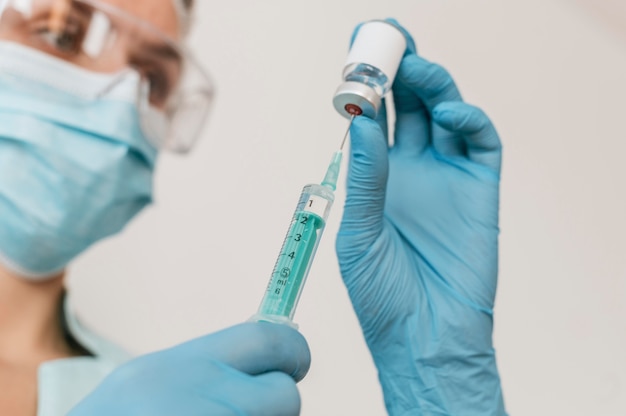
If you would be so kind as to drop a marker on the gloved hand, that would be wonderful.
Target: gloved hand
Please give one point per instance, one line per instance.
(250, 369)
(418, 246)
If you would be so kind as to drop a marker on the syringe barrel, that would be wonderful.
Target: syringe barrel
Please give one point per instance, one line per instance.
(296, 255)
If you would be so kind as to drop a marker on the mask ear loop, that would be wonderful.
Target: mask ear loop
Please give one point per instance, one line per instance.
(121, 77)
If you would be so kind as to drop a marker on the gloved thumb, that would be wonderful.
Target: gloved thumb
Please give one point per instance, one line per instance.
(366, 187)
(254, 348)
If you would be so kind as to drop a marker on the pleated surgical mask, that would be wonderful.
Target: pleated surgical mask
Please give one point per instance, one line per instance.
(75, 163)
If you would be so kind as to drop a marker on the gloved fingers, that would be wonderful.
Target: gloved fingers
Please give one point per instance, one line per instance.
(367, 181)
(420, 85)
(272, 393)
(474, 126)
(412, 128)
(255, 348)
(430, 82)
(281, 397)
(447, 143)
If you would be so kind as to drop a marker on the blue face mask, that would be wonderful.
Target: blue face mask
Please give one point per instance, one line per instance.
(75, 166)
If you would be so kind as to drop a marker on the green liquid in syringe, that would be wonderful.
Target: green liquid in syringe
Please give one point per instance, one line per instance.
(298, 250)
(292, 266)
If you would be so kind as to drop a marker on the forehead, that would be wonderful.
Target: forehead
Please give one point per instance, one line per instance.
(160, 13)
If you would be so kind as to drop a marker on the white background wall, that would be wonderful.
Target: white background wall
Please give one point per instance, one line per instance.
(552, 76)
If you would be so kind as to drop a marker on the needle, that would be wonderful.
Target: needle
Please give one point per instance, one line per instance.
(345, 138)
(332, 173)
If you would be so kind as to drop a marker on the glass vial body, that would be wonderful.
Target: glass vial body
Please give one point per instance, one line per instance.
(370, 69)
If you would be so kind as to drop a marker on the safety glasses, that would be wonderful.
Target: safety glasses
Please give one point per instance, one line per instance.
(99, 37)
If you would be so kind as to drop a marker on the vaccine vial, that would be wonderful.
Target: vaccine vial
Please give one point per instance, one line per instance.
(370, 70)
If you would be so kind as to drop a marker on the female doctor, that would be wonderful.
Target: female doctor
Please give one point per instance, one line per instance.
(92, 90)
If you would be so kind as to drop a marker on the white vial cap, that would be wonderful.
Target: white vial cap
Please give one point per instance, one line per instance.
(379, 44)
(354, 98)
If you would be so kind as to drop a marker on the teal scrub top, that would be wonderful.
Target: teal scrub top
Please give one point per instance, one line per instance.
(63, 383)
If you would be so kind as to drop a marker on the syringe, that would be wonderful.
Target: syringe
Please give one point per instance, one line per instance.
(299, 247)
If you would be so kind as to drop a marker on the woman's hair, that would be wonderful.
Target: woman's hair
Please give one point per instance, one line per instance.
(188, 4)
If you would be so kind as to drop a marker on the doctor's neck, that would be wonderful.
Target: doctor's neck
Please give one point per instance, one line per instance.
(30, 328)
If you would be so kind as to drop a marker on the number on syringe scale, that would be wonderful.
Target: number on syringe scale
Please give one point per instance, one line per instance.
(286, 271)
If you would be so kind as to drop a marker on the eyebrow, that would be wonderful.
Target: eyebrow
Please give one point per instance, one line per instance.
(163, 50)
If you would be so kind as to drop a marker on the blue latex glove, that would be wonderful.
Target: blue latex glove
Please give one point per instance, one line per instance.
(418, 246)
(250, 369)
